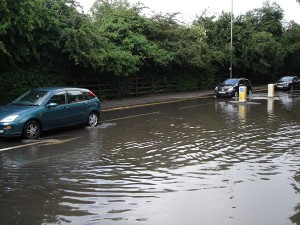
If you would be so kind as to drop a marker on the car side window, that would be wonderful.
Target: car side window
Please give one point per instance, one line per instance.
(75, 96)
(59, 98)
(241, 83)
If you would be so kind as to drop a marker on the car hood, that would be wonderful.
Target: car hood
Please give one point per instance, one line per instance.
(11, 109)
(283, 82)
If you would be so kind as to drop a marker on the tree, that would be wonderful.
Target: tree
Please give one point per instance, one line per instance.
(185, 45)
(268, 18)
(290, 42)
(260, 54)
(217, 31)
(127, 32)
(30, 31)
(257, 46)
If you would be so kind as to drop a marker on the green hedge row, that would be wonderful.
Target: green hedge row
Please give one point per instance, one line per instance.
(17, 81)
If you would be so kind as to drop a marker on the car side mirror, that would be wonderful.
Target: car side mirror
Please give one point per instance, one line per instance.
(51, 105)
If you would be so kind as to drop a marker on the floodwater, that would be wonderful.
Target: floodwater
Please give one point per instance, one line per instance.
(206, 161)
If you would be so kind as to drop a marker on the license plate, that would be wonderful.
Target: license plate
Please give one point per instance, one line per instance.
(222, 92)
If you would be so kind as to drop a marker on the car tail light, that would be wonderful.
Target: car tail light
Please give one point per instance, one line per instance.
(91, 93)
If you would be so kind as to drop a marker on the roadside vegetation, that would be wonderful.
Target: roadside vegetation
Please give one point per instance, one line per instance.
(52, 42)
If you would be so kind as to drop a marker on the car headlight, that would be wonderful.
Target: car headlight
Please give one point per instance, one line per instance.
(9, 118)
(216, 88)
(230, 89)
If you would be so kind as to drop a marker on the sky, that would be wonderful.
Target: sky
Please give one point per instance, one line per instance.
(188, 9)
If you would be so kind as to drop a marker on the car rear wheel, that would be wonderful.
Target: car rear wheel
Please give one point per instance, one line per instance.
(32, 130)
(92, 119)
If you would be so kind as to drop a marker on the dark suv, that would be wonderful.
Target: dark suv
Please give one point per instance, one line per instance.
(288, 83)
(230, 87)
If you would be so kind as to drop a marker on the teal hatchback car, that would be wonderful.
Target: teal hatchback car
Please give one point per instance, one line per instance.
(44, 109)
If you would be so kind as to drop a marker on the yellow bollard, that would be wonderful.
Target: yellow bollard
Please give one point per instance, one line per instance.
(242, 93)
(271, 90)
(242, 112)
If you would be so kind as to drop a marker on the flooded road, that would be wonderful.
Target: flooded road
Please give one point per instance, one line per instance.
(206, 161)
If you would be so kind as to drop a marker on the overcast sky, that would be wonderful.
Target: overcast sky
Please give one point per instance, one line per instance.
(190, 8)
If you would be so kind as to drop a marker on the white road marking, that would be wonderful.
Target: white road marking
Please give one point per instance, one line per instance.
(42, 143)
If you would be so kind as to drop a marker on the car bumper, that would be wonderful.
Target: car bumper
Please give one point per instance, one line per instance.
(10, 130)
(224, 93)
(282, 88)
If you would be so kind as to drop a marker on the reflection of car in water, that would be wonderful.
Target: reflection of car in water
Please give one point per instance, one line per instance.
(48, 108)
(287, 83)
(230, 87)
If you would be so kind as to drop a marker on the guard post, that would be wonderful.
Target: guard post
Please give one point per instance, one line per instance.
(242, 93)
(271, 88)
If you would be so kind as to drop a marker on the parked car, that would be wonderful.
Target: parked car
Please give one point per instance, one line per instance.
(230, 87)
(43, 109)
(287, 83)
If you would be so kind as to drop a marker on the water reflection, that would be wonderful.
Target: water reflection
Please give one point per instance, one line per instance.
(242, 112)
(206, 160)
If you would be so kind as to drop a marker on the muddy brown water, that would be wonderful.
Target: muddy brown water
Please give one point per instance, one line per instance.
(207, 161)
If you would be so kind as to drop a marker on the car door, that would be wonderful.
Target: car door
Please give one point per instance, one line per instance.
(77, 106)
(56, 115)
(248, 85)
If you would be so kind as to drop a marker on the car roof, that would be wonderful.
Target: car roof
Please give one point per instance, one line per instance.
(59, 88)
(237, 79)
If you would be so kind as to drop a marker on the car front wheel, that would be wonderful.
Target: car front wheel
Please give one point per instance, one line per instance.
(92, 119)
(32, 130)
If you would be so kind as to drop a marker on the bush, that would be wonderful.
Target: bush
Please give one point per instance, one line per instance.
(188, 82)
(207, 82)
(16, 82)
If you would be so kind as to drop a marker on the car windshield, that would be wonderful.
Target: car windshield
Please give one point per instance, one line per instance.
(231, 82)
(30, 98)
(286, 79)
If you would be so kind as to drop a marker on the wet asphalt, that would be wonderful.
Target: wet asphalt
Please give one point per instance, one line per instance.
(145, 100)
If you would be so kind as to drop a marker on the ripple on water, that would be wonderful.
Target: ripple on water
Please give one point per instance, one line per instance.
(229, 156)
